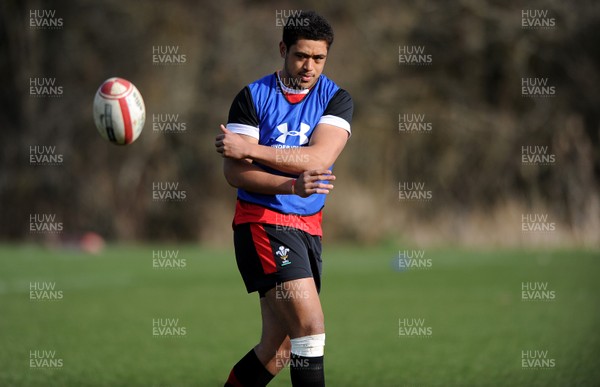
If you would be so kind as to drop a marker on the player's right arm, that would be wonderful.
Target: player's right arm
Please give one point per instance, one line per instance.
(245, 175)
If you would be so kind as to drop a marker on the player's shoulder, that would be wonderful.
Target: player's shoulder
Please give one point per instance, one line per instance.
(337, 92)
(342, 96)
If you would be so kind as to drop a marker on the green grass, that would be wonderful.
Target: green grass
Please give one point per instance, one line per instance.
(102, 328)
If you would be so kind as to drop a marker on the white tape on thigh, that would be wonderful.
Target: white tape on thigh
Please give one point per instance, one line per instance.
(309, 346)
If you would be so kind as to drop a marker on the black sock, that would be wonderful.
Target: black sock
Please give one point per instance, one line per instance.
(249, 372)
(307, 371)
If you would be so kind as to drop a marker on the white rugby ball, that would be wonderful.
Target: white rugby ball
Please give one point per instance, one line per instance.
(119, 111)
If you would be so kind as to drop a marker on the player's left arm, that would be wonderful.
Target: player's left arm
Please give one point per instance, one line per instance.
(326, 143)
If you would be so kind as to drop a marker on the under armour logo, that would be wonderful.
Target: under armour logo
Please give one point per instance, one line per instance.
(283, 128)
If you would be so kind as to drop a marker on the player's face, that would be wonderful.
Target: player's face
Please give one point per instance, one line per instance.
(303, 62)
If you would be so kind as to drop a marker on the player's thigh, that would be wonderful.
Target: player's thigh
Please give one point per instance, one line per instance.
(297, 305)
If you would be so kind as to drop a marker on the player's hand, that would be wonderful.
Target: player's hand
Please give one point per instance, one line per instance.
(313, 182)
(231, 145)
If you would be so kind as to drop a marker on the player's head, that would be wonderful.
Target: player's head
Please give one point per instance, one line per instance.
(307, 25)
(307, 37)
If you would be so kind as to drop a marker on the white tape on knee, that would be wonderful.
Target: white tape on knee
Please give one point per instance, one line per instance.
(309, 346)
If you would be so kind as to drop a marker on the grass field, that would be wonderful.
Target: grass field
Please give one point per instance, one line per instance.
(471, 303)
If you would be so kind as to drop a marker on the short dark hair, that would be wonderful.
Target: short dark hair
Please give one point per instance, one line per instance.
(307, 25)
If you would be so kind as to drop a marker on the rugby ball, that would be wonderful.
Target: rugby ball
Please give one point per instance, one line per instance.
(119, 111)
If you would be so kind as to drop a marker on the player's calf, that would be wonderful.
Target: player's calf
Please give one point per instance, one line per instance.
(275, 356)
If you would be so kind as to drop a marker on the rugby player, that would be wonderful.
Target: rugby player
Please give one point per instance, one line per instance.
(283, 135)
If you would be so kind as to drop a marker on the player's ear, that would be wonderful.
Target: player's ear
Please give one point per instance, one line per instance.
(282, 49)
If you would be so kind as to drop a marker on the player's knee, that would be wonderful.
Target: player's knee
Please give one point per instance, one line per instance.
(308, 346)
(312, 325)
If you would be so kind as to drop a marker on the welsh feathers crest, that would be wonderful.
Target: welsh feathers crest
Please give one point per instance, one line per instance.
(283, 254)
